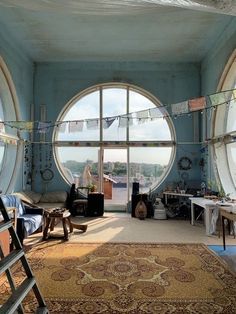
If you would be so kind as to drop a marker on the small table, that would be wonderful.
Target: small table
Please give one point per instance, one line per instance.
(228, 215)
(57, 213)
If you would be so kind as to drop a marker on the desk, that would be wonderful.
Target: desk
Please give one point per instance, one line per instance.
(175, 194)
(228, 215)
(208, 206)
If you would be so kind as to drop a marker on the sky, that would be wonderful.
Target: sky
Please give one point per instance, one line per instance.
(114, 104)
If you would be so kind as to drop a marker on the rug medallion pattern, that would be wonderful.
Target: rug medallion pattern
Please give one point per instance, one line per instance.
(130, 278)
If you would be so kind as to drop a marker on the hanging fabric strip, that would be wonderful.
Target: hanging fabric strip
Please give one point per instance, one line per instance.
(76, 126)
(142, 116)
(43, 127)
(107, 122)
(6, 140)
(197, 104)
(61, 127)
(221, 98)
(125, 121)
(26, 125)
(180, 108)
(92, 124)
(1, 127)
(155, 113)
(234, 94)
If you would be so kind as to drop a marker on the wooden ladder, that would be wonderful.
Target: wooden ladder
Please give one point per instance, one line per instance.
(14, 302)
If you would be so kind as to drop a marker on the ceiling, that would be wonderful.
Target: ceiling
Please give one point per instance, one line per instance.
(131, 30)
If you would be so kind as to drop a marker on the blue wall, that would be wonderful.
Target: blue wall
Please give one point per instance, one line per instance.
(54, 84)
(21, 69)
(57, 83)
(211, 70)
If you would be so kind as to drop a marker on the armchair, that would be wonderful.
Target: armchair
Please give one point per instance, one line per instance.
(28, 219)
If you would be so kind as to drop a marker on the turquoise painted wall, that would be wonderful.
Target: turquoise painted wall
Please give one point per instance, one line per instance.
(211, 70)
(214, 63)
(57, 83)
(21, 69)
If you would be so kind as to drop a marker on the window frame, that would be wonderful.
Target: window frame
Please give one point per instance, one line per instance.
(12, 152)
(221, 138)
(115, 144)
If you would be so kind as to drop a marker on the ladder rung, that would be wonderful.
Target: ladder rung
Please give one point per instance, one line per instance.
(5, 225)
(17, 296)
(10, 259)
(42, 310)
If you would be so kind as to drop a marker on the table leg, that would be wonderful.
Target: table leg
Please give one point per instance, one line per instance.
(166, 200)
(70, 224)
(52, 224)
(192, 214)
(223, 231)
(45, 231)
(207, 219)
(65, 229)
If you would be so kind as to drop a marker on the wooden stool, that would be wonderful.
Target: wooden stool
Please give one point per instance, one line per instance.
(51, 216)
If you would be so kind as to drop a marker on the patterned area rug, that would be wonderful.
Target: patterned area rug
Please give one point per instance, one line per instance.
(130, 278)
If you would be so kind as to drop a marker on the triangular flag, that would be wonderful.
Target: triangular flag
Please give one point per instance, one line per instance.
(107, 122)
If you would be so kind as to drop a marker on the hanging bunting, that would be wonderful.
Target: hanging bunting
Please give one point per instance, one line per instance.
(197, 104)
(1, 127)
(22, 125)
(155, 113)
(6, 140)
(234, 94)
(185, 107)
(220, 98)
(61, 127)
(76, 126)
(43, 127)
(142, 116)
(125, 121)
(92, 124)
(107, 122)
(27, 125)
(180, 108)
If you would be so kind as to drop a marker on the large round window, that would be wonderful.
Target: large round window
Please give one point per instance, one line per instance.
(8, 135)
(225, 130)
(115, 134)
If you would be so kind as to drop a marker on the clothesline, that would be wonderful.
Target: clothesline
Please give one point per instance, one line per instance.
(204, 103)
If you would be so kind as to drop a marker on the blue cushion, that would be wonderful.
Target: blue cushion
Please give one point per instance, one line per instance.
(32, 222)
(13, 201)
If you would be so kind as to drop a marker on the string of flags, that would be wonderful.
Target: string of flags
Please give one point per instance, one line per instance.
(177, 109)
